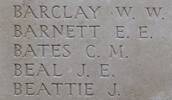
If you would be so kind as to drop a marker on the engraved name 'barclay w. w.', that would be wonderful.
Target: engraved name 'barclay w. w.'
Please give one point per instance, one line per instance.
(56, 11)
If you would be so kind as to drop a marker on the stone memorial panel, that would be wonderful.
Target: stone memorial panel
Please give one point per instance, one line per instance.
(85, 49)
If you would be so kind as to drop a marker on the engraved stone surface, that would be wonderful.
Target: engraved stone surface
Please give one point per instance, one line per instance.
(85, 50)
